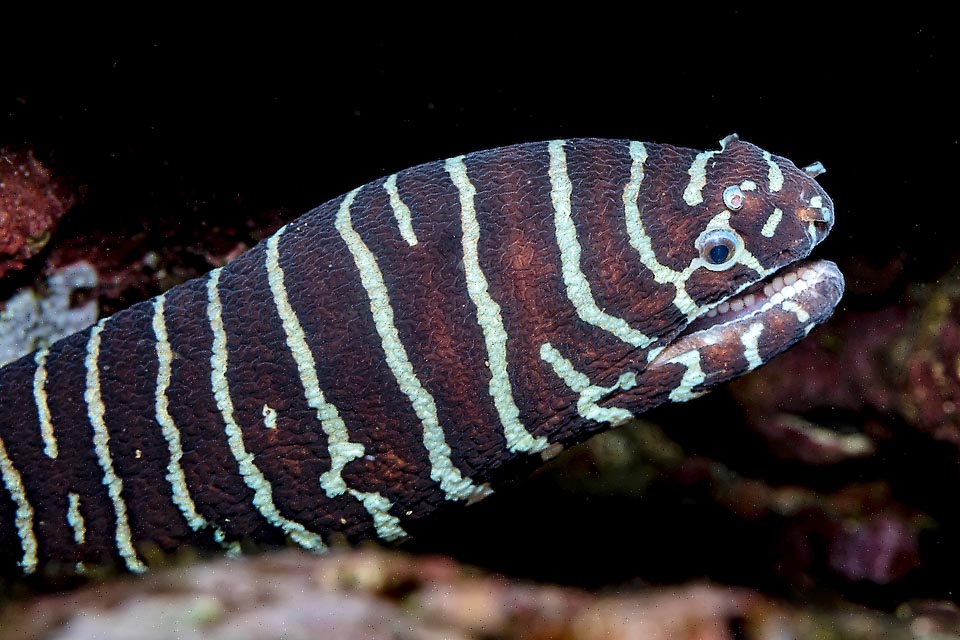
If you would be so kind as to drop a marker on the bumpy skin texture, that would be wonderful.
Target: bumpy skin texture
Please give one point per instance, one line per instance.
(413, 343)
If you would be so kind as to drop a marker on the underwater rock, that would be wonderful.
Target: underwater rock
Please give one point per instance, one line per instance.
(32, 200)
(861, 378)
(32, 319)
(385, 595)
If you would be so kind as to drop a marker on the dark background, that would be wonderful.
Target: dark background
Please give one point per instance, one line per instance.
(288, 112)
(200, 122)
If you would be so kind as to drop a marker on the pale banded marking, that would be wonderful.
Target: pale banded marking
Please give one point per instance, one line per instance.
(770, 226)
(96, 412)
(400, 211)
(75, 518)
(797, 310)
(385, 523)
(232, 548)
(251, 474)
(179, 491)
(748, 185)
(589, 393)
(43, 409)
(816, 202)
(575, 282)
(269, 417)
(639, 239)
(442, 470)
(488, 316)
(693, 376)
(693, 194)
(774, 175)
(23, 521)
(341, 449)
(751, 345)
(641, 242)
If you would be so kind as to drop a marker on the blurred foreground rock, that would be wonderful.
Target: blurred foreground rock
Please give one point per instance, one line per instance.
(378, 595)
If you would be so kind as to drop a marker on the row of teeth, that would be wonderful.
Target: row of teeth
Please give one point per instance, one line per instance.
(784, 285)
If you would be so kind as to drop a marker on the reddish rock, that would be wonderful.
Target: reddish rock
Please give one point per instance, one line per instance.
(32, 200)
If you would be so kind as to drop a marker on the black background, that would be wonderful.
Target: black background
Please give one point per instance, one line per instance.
(290, 111)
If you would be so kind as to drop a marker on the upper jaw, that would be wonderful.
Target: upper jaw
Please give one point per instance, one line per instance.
(792, 285)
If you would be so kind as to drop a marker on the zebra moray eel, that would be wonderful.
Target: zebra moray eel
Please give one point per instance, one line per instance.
(413, 343)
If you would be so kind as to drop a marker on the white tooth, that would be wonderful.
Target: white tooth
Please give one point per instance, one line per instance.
(749, 299)
(808, 274)
(788, 292)
(712, 313)
(768, 290)
(724, 307)
(736, 305)
(790, 278)
(777, 283)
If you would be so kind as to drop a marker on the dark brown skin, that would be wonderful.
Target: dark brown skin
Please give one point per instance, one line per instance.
(392, 343)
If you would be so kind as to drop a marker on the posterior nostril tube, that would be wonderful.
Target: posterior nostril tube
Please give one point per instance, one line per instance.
(815, 169)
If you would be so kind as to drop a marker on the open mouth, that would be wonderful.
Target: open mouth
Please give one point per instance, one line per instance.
(810, 288)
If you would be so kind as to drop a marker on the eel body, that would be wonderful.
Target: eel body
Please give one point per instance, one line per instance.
(414, 343)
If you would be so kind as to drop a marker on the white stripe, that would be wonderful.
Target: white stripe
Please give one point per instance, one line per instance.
(641, 242)
(43, 409)
(797, 310)
(179, 490)
(691, 377)
(269, 417)
(748, 185)
(400, 211)
(232, 548)
(386, 524)
(693, 194)
(488, 316)
(574, 280)
(252, 476)
(101, 438)
(774, 175)
(751, 345)
(589, 393)
(75, 519)
(770, 226)
(341, 449)
(442, 470)
(23, 520)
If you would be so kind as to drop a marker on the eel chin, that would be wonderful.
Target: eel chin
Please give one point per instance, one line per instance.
(777, 312)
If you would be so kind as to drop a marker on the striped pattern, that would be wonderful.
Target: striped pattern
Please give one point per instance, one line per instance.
(251, 473)
(43, 410)
(101, 438)
(400, 348)
(24, 516)
(179, 491)
(489, 317)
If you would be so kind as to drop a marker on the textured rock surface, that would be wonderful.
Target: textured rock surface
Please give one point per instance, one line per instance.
(379, 595)
(32, 200)
(31, 319)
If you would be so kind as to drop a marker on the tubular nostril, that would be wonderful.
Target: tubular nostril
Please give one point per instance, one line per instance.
(815, 214)
(815, 169)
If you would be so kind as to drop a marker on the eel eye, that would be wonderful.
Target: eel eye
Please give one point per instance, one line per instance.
(719, 249)
(733, 198)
